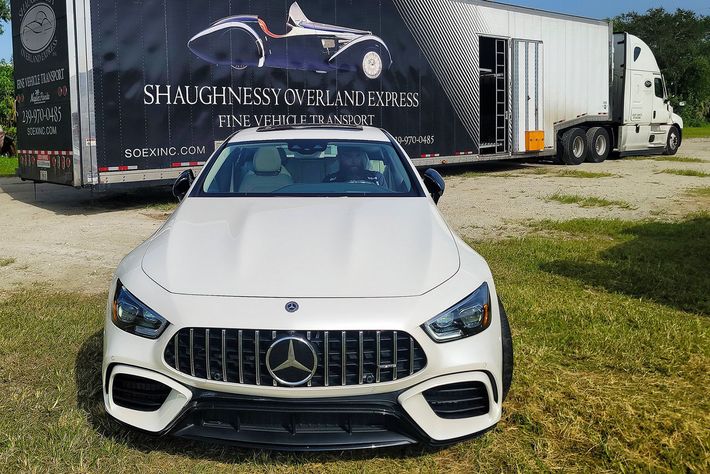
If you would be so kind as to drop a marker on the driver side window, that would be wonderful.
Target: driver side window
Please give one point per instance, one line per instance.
(658, 87)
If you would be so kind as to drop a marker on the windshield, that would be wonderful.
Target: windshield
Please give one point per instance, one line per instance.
(308, 168)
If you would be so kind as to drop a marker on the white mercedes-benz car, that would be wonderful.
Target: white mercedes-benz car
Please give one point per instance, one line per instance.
(307, 295)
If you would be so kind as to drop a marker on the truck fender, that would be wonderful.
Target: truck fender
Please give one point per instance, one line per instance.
(354, 50)
(199, 46)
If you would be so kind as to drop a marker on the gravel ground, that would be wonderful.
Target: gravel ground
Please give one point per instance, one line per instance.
(73, 239)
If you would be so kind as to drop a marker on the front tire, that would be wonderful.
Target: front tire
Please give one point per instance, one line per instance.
(507, 342)
(372, 65)
(673, 141)
(573, 147)
(598, 144)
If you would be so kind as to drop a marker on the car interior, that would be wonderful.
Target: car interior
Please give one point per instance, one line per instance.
(266, 168)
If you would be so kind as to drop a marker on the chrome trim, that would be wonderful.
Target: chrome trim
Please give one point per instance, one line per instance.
(326, 356)
(257, 359)
(224, 355)
(377, 371)
(361, 357)
(241, 358)
(394, 357)
(207, 354)
(343, 358)
(192, 357)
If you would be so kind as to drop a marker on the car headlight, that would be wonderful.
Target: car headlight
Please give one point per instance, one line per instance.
(131, 315)
(466, 318)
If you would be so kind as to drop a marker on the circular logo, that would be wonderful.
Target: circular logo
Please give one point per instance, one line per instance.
(37, 28)
(291, 361)
(291, 306)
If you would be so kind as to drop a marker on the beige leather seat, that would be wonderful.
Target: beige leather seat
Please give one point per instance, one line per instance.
(268, 174)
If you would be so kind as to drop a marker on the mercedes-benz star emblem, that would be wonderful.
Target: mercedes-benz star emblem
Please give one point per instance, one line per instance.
(291, 361)
(291, 306)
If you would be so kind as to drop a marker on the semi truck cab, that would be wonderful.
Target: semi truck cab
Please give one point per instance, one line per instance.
(640, 100)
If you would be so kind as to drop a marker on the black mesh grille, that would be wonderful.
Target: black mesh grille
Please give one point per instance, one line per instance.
(459, 400)
(138, 393)
(239, 356)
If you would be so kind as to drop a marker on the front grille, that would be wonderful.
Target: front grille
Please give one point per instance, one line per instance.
(458, 400)
(138, 393)
(344, 357)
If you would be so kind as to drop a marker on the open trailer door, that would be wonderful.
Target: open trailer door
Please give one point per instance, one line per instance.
(527, 72)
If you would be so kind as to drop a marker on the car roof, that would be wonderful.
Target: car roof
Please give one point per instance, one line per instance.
(317, 132)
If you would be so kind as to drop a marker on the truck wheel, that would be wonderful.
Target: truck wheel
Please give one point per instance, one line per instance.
(372, 64)
(507, 340)
(574, 146)
(598, 144)
(673, 141)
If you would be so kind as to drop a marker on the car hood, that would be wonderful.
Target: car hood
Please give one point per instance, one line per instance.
(303, 247)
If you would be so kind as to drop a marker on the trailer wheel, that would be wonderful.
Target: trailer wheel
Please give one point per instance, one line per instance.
(598, 144)
(574, 146)
(673, 141)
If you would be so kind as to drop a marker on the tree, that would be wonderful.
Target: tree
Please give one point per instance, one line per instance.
(8, 114)
(4, 13)
(681, 43)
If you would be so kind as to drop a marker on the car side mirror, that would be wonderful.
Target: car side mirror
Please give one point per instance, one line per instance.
(182, 184)
(434, 184)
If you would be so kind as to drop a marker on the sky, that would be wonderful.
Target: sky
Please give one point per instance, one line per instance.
(592, 9)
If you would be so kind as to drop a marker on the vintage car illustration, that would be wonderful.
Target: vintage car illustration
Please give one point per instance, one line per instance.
(245, 40)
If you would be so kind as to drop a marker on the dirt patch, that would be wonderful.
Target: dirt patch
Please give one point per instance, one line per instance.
(73, 239)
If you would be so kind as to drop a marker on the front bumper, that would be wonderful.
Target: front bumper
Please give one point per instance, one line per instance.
(319, 424)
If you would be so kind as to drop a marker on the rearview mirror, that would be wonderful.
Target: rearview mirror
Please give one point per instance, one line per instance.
(434, 184)
(182, 184)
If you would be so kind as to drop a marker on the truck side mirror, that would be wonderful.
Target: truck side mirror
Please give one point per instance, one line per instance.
(182, 184)
(434, 184)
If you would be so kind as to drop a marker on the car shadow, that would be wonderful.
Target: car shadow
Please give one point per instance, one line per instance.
(66, 200)
(90, 401)
(663, 262)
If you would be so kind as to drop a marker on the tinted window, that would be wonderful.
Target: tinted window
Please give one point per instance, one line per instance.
(308, 168)
(658, 84)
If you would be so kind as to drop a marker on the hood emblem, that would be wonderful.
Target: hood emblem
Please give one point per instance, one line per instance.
(291, 361)
(291, 306)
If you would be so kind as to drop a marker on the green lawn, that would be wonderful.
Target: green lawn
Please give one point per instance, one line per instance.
(612, 346)
(587, 201)
(8, 166)
(697, 132)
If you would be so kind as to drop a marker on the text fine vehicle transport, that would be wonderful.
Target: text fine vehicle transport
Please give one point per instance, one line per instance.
(332, 309)
(111, 92)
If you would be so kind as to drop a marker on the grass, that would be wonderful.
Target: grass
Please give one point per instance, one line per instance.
(703, 192)
(681, 172)
(587, 201)
(6, 261)
(583, 174)
(612, 345)
(8, 166)
(675, 159)
(696, 132)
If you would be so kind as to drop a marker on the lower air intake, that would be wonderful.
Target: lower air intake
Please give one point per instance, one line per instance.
(138, 393)
(459, 400)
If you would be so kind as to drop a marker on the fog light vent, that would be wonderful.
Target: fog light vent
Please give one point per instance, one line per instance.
(139, 393)
(458, 400)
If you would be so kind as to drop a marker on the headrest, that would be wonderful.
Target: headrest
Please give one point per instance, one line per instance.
(267, 161)
(357, 151)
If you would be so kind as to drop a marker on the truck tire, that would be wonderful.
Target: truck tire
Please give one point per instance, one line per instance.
(598, 144)
(507, 341)
(673, 141)
(574, 147)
